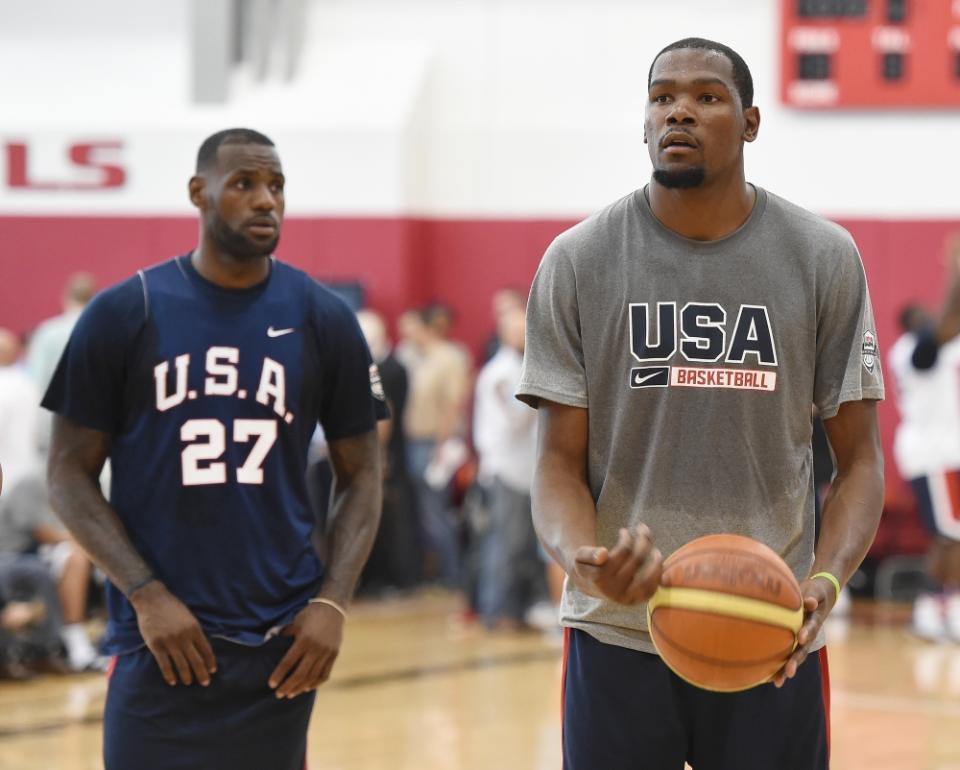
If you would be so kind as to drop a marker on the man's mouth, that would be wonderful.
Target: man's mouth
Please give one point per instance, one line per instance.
(676, 140)
(262, 227)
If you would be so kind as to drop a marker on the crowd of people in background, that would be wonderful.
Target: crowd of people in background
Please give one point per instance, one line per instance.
(459, 456)
(45, 577)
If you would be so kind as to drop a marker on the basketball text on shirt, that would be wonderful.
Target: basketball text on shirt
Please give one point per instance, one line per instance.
(702, 339)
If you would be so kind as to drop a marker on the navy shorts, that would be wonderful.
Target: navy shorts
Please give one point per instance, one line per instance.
(938, 499)
(235, 723)
(625, 710)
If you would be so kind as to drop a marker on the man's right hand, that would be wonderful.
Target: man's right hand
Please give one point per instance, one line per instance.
(173, 635)
(629, 573)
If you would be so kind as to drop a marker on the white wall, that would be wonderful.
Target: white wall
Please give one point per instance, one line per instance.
(442, 107)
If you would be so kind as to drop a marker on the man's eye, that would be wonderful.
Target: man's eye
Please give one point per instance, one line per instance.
(662, 99)
(709, 98)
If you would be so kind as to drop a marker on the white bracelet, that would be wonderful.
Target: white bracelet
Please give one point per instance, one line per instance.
(330, 603)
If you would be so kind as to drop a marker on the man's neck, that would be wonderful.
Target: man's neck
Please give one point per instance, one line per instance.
(228, 271)
(705, 213)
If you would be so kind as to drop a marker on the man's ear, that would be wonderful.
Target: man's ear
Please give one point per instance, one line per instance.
(751, 120)
(197, 189)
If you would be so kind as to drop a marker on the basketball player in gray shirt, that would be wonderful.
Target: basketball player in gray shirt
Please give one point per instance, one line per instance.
(676, 343)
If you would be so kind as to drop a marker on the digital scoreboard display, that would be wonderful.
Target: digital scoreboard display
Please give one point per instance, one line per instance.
(870, 53)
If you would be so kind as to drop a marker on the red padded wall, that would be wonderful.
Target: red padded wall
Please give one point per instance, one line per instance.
(405, 262)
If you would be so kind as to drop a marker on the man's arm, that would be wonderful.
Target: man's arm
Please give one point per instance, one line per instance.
(851, 514)
(354, 515)
(948, 325)
(170, 630)
(356, 501)
(565, 516)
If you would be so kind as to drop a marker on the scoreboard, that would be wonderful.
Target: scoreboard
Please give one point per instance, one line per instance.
(870, 53)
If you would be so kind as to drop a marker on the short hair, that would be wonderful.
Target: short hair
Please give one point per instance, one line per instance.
(742, 78)
(80, 288)
(435, 310)
(207, 156)
(913, 317)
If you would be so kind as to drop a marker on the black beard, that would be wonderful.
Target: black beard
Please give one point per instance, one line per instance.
(237, 245)
(684, 179)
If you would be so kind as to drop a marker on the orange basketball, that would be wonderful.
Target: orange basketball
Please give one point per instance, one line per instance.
(727, 613)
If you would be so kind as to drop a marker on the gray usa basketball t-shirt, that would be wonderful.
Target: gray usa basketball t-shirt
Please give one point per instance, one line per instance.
(699, 363)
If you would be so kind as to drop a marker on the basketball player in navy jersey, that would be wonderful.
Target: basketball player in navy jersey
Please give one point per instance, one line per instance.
(202, 379)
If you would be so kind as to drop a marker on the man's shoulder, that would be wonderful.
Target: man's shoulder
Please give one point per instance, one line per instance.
(905, 341)
(16, 383)
(123, 301)
(292, 273)
(901, 350)
(52, 327)
(115, 316)
(506, 362)
(452, 355)
(951, 350)
(323, 301)
(604, 223)
(497, 361)
(790, 216)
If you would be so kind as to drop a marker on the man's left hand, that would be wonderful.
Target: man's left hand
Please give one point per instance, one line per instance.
(317, 633)
(819, 596)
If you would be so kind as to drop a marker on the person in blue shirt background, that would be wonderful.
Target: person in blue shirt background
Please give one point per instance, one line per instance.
(202, 379)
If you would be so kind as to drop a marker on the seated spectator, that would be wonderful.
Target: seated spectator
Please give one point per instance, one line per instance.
(30, 621)
(28, 526)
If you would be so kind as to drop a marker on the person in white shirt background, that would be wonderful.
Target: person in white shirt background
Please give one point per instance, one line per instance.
(925, 364)
(19, 413)
(512, 573)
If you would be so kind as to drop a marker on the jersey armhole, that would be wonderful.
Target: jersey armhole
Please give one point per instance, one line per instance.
(146, 295)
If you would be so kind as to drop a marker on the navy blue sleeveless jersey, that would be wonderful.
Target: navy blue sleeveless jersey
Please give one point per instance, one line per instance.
(211, 396)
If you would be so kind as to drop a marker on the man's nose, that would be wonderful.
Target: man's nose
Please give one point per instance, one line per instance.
(681, 114)
(264, 199)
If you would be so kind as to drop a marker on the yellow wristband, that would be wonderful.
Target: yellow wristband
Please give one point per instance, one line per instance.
(832, 579)
(329, 603)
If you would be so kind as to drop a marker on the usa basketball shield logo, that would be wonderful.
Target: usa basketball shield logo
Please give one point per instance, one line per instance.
(869, 351)
(376, 385)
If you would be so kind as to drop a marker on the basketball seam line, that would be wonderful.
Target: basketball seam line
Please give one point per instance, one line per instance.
(723, 604)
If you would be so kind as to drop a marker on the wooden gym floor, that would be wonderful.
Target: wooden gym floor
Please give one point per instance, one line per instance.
(415, 688)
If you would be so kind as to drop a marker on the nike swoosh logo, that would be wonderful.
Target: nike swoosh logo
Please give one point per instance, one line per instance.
(271, 332)
(638, 380)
